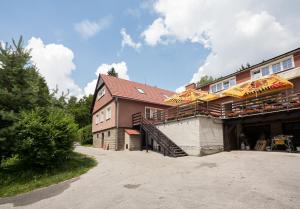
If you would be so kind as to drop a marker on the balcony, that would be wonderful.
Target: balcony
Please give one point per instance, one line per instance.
(283, 101)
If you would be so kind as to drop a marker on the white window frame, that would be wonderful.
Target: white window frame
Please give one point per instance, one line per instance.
(101, 93)
(97, 119)
(108, 112)
(222, 84)
(102, 116)
(270, 66)
(153, 110)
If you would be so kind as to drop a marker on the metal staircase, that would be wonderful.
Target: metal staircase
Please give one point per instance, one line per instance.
(167, 146)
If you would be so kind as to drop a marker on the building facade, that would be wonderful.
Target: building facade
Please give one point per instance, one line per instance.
(115, 101)
(286, 65)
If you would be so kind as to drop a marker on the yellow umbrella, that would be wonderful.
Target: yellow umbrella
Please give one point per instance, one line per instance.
(259, 87)
(190, 95)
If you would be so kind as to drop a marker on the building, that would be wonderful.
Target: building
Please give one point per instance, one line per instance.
(115, 101)
(200, 127)
(286, 65)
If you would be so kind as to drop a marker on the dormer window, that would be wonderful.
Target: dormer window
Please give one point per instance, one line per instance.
(140, 90)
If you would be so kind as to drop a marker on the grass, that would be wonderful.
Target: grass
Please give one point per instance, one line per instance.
(15, 179)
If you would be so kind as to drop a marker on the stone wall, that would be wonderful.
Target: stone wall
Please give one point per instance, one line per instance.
(133, 142)
(105, 139)
(197, 135)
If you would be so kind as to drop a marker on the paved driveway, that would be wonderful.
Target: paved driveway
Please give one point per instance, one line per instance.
(149, 180)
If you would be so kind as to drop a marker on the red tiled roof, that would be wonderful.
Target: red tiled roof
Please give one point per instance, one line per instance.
(132, 132)
(129, 89)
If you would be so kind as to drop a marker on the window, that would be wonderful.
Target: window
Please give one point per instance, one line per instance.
(102, 135)
(232, 82)
(265, 71)
(97, 119)
(108, 113)
(222, 85)
(141, 91)
(276, 67)
(214, 88)
(151, 112)
(226, 84)
(256, 74)
(108, 133)
(219, 86)
(97, 136)
(287, 64)
(101, 93)
(102, 116)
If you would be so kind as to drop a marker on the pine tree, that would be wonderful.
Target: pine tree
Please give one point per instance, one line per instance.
(112, 72)
(21, 88)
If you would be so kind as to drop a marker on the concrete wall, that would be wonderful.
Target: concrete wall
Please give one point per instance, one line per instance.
(196, 136)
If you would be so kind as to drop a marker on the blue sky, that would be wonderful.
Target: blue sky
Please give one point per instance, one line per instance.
(172, 42)
(53, 21)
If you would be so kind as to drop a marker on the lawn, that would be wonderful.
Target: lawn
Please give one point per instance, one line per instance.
(15, 179)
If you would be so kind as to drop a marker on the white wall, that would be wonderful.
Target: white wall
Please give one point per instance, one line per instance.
(196, 136)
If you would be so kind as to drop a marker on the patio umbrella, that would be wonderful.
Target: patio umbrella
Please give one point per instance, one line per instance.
(259, 87)
(190, 95)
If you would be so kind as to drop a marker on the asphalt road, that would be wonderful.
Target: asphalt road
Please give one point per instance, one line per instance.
(130, 180)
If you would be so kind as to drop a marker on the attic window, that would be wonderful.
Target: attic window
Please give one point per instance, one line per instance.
(140, 90)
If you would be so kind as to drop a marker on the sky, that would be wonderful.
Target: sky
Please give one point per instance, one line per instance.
(164, 43)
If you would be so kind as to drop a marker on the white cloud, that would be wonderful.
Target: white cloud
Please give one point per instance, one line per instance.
(155, 32)
(120, 68)
(55, 63)
(127, 40)
(236, 32)
(88, 29)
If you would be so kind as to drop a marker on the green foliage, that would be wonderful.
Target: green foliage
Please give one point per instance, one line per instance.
(112, 72)
(16, 178)
(244, 67)
(45, 136)
(21, 88)
(205, 79)
(85, 135)
(80, 110)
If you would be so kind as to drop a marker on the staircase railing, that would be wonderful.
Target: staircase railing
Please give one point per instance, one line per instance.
(170, 148)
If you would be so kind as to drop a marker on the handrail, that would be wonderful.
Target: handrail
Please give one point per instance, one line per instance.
(163, 140)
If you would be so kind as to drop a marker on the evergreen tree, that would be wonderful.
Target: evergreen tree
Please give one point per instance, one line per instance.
(112, 72)
(205, 79)
(21, 88)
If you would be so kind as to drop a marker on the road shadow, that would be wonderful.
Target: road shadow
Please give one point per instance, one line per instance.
(38, 194)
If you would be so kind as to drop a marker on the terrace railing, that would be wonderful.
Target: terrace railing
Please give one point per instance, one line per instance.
(264, 104)
(186, 110)
(283, 101)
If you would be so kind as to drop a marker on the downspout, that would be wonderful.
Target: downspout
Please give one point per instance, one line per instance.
(117, 122)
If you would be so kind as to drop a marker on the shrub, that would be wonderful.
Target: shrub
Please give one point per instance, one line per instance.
(85, 135)
(45, 136)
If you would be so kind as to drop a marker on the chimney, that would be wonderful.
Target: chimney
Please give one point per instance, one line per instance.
(190, 86)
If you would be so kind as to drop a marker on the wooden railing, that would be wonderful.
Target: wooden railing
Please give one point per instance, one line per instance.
(186, 110)
(264, 104)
